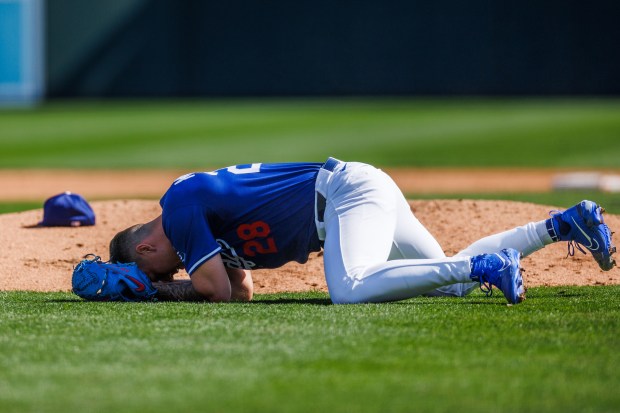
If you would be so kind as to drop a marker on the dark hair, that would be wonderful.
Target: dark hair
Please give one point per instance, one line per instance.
(123, 245)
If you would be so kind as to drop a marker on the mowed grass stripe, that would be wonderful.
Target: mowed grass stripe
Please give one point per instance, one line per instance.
(297, 352)
(386, 132)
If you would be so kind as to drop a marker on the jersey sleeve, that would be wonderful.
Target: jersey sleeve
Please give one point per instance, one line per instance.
(188, 230)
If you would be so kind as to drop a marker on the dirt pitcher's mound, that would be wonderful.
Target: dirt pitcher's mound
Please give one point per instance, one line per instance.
(42, 259)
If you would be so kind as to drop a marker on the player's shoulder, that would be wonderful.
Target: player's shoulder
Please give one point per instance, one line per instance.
(191, 182)
(186, 189)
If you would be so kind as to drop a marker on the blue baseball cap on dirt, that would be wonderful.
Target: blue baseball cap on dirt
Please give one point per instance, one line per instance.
(67, 210)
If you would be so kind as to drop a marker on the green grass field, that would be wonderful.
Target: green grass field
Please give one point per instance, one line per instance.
(386, 132)
(556, 352)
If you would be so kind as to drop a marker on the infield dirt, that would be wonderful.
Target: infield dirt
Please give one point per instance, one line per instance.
(42, 259)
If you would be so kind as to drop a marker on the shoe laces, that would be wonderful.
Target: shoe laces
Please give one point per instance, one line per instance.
(485, 284)
(486, 287)
(572, 245)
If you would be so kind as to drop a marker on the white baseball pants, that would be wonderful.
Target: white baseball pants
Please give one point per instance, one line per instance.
(376, 249)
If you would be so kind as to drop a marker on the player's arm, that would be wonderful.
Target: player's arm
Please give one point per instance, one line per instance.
(242, 288)
(241, 284)
(211, 280)
(177, 290)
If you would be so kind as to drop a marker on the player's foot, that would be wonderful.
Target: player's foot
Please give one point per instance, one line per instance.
(501, 270)
(583, 224)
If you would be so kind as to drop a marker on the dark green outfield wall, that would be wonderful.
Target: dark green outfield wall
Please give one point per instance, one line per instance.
(326, 47)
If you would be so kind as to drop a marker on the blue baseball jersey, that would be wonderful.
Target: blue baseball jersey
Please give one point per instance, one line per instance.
(254, 215)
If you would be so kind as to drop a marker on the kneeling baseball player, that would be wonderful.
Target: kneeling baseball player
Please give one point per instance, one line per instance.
(220, 225)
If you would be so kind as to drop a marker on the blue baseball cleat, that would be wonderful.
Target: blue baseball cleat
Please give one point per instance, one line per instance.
(583, 225)
(501, 270)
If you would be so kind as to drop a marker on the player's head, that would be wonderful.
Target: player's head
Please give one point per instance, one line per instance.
(147, 246)
(122, 246)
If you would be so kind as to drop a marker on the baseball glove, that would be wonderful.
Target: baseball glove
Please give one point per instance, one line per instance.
(96, 280)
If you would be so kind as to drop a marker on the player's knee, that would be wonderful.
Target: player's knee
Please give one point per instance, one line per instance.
(343, 289)
(342, 294)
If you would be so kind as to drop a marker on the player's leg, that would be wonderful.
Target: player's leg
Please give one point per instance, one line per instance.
(357, 246)
(413, 241)
(525, 239)
(361, 219)
(582, 223)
